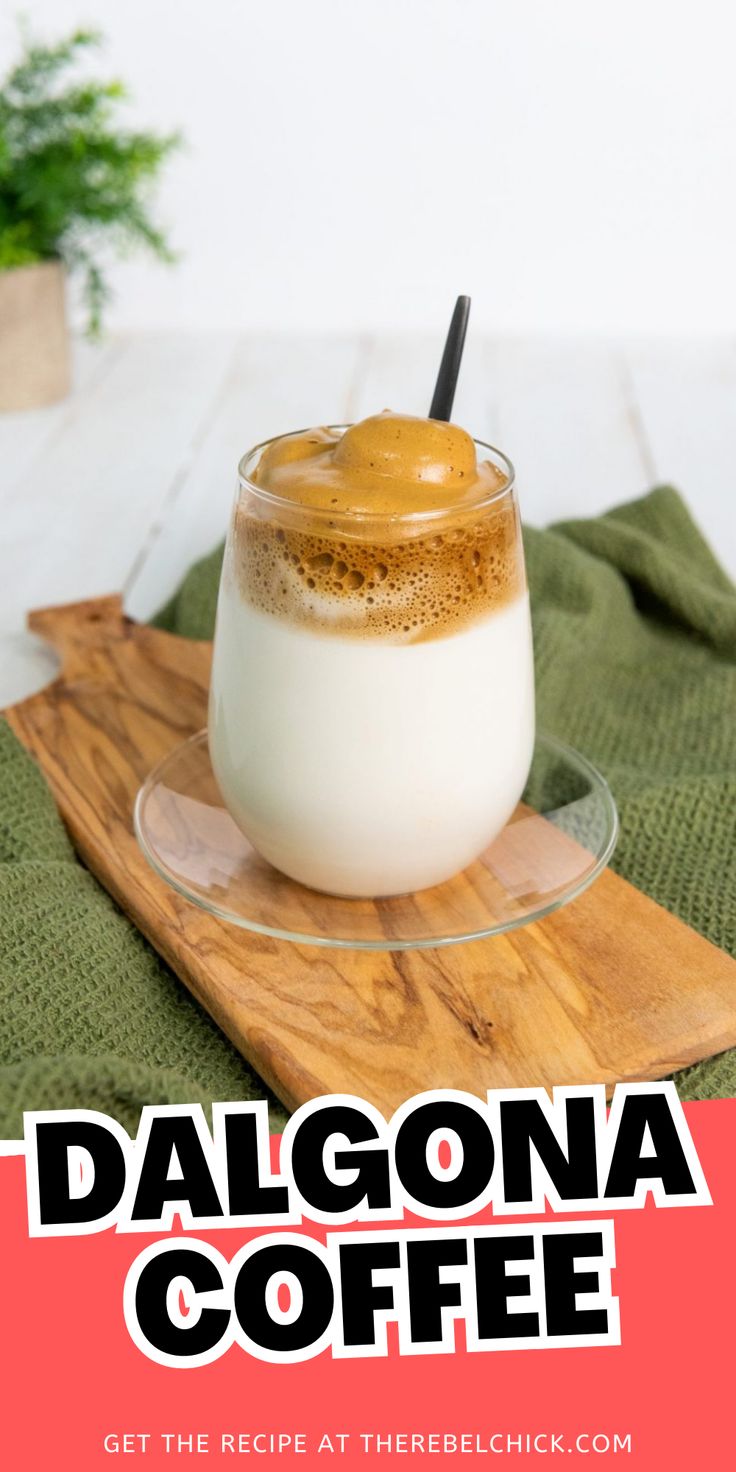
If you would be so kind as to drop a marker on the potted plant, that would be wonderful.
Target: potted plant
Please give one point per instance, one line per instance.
(71, 180)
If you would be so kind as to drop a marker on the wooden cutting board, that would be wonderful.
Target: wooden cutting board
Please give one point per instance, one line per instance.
(610, 987)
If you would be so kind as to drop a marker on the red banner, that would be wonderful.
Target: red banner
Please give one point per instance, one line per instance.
(79, 1394)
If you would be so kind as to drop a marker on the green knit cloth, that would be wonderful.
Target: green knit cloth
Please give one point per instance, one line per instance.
(635, 638)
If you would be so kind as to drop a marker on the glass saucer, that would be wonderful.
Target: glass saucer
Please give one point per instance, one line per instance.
(558, 840)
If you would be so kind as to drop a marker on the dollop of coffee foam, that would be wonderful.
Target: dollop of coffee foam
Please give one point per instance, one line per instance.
(357, 567)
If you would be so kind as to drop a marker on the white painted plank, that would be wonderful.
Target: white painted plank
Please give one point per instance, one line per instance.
(273, 385)
(25, 437)
(76, 522)
(75, 529)
(26, 665)
(686, 391)
(565, 420)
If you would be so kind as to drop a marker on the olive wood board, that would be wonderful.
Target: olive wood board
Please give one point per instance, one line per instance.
(610, 987)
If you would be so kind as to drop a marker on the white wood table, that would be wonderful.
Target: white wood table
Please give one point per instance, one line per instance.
(127, 482)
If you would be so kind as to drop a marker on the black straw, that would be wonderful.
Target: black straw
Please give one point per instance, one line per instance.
(444, 391)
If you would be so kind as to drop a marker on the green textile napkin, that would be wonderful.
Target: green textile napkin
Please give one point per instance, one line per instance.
(635, 645)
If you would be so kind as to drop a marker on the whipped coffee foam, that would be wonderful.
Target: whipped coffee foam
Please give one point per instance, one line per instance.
(388, 530)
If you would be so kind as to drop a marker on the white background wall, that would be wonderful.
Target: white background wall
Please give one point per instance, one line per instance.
(355, 163)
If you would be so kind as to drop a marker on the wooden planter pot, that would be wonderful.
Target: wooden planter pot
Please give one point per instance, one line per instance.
(34, 340)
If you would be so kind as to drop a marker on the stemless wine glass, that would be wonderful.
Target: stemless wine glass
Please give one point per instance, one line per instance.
(371, 717)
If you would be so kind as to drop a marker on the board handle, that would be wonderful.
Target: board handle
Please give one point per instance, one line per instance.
(78, 630)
